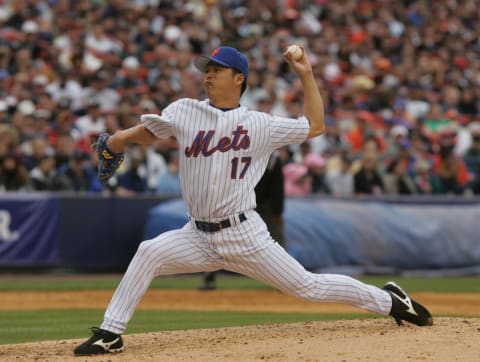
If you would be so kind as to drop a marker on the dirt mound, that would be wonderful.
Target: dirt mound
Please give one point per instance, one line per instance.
(449, 339)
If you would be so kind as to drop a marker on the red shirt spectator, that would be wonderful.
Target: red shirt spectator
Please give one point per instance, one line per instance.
(365, 130)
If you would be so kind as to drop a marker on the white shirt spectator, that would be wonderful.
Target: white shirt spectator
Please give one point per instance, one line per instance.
(89, 126)
(155, 165)
(97, 42)
(339, 177)
(340, 183)
(70, 89)
(107, 97)
(417, 108)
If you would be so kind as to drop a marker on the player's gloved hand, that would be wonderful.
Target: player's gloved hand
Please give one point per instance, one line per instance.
(108, 161)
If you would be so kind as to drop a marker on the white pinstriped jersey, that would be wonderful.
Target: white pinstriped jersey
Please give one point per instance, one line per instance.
(223, 155)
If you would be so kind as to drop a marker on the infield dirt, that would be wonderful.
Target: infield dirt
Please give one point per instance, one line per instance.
(449, 339)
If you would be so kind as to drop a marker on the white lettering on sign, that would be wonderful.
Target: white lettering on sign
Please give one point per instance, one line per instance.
(5, 233)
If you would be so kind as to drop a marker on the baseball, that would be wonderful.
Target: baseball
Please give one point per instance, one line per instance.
(296, 51)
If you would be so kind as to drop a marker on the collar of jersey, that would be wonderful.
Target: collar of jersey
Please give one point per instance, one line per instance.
(222, 109)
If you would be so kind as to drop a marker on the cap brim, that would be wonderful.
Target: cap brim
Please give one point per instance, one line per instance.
(202, 61)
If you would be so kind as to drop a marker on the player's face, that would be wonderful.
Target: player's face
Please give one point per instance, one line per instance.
(220, 82)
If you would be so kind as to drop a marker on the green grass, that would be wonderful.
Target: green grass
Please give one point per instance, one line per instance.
(95, 282)
(23, 326)
(63, 282)
(423, 284)
(29, 326)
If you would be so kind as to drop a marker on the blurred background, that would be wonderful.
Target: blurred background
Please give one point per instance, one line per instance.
(391, 187)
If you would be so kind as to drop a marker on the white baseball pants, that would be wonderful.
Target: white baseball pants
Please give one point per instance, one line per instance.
(245, 248)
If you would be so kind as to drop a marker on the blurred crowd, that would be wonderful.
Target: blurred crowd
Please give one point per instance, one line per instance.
(400, 81)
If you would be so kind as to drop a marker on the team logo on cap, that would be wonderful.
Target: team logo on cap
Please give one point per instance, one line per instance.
(215, 52)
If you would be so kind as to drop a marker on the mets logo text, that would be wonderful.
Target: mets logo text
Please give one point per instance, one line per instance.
(201, 143)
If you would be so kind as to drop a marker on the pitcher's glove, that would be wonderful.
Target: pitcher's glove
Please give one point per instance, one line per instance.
(108, 161)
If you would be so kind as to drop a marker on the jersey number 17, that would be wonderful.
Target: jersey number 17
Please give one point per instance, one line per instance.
(240, 164)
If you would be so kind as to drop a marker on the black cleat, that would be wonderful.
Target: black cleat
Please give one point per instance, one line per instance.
(102, 341)
(405, 308)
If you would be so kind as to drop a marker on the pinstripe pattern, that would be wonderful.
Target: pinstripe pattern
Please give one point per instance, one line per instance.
(178, 251)
(208, 189)
(209, 140)
(246, 248)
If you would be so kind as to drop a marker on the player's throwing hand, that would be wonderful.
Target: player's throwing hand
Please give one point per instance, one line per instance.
(299, 64)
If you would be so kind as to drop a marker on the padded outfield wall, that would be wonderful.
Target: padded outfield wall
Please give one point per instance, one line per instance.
(366, 235)
(428, 236)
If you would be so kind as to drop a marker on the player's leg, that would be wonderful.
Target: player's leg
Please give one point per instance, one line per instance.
(257, 255)
(263, 259)
(173, 252)
(274, 266)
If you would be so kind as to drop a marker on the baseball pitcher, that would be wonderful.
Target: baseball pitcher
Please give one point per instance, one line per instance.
(225, 149)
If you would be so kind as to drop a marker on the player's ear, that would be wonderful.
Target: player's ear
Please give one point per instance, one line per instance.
(238, 78)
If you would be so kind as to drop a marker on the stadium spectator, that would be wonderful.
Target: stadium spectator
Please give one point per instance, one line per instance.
(297, 180)
(35, 150)
(364, 130)
(23, 120)
(63, 123)
(3, 112)
(92, 123)
(132, 181)
(45, 176)
(79, 175)
(394, 67)
(396, 180)
(65, 86)
(368, 180)
(65, 148)
(472, 158)
(474, 149)
(41, 123)
(169, 178)
(425, 182)
(13, 175)
(331, 142)
(317, 167)
(340, 178)
(99, 88)
(450, 169)
(8, 139)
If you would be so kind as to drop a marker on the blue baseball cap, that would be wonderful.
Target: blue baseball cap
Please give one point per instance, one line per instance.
(225, 56)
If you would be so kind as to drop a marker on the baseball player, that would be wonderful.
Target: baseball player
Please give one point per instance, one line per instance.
(225, 149)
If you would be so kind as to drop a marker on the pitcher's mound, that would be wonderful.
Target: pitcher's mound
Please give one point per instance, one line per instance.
(449, 339)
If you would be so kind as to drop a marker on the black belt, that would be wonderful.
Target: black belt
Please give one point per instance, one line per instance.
(211, 227)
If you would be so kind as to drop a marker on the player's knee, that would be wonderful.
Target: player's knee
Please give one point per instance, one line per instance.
(154, 251)
(145, 250)
(305, 289)
(304, 293)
